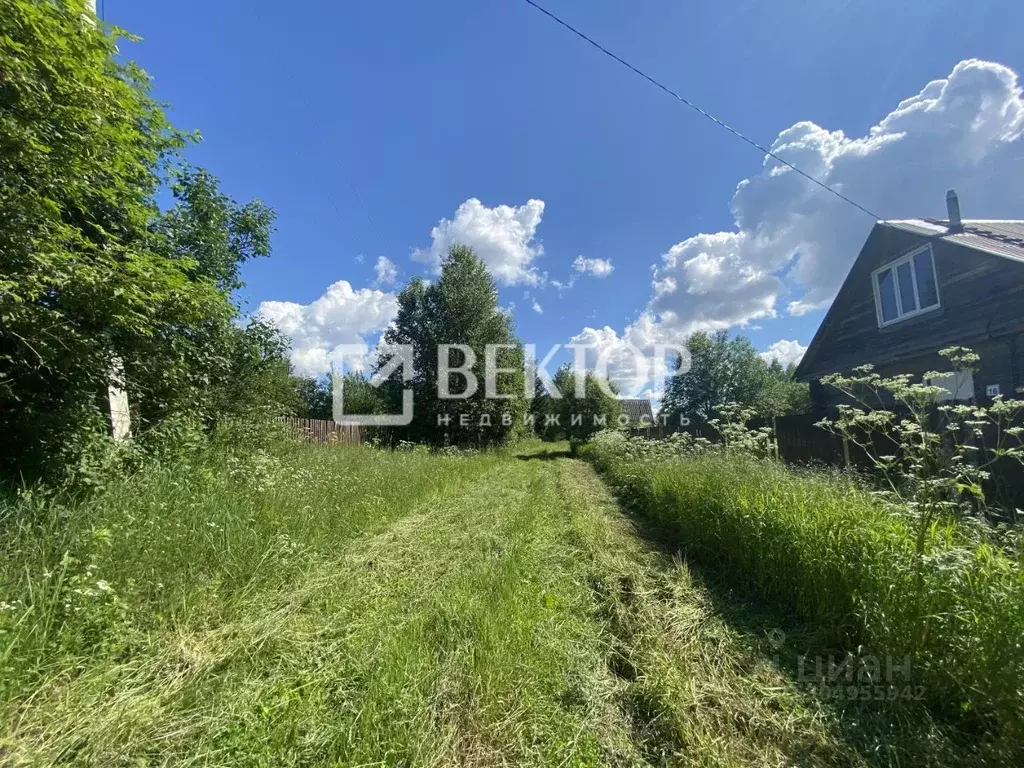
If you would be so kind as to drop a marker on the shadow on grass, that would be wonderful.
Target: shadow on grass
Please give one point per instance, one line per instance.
(885, 731)
(545, 455)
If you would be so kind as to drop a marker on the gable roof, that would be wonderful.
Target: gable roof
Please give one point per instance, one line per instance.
(638, 410)
(1004, 239)
(1000, 238)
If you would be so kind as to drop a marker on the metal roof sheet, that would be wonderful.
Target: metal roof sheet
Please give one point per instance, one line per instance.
(1001, 238)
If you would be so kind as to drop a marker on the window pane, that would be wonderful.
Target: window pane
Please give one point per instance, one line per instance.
(887, 295)
(926, 279)
(906, 281)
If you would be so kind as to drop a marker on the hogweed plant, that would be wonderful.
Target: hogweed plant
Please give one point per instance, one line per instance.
(732, 424)
(933, 458)
(735, 435)
(910, 576)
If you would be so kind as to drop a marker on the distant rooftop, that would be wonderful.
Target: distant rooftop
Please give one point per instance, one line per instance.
(637, 409)
(1000, 238)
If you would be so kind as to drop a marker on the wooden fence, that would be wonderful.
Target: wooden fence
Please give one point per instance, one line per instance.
(801, 442)
(324, 432)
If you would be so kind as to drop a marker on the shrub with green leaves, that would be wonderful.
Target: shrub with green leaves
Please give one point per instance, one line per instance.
(575, 415)
(92, 271)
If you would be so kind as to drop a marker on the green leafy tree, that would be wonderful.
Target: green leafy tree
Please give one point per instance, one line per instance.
(461, 308)
(543, 409)
(257, 380)
(568, 417)
(782, 393)
(580, 418)
(728, 370)
(722, 370)
(212, 236)
(361, 397)
(92, 274)
(212, 233)
(315, 397)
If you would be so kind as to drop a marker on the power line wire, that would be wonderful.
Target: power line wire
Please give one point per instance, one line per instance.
(697, 109)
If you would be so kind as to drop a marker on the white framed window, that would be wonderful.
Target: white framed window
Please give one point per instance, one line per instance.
(906, 287)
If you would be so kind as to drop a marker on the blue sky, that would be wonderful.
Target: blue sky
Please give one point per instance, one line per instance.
(364, 124)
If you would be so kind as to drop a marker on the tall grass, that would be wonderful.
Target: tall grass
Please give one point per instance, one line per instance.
(186, 543)
(821, 547)
(296, 605)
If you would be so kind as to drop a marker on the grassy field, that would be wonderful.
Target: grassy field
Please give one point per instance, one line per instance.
(349, 606)
(841, 573)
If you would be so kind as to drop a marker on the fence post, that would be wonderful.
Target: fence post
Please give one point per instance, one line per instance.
(846, 452)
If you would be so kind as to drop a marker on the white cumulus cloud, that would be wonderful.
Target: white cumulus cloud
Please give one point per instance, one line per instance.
(387, 271)
(794, 242)
(343, 315)
(595, 267)
(632, 360)
(537, 307)
(503, 237)
(786, 352)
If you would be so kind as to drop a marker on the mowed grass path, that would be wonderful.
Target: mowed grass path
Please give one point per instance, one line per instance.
(508, 616)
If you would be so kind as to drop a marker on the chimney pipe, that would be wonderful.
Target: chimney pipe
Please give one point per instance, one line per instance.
(953, 210)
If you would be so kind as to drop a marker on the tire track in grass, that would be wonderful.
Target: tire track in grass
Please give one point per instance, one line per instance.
(479, 656)
(446, 639)
(692, 690)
